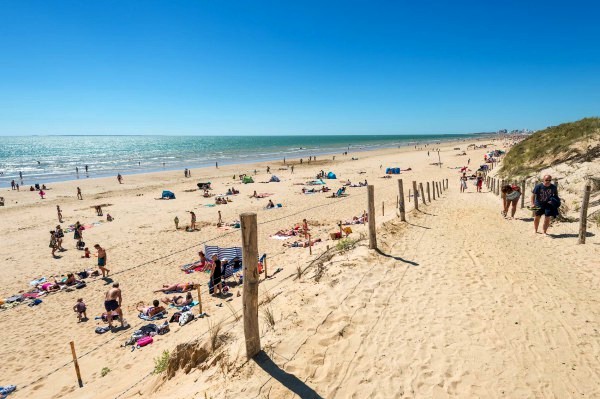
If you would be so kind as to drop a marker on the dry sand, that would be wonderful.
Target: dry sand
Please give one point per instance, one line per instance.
(459, 303)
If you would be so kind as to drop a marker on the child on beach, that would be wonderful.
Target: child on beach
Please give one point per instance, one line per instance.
(80, 308)
(86, 254)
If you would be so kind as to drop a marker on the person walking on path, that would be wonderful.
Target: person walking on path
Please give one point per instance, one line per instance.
(463, 183)
(102, 260)
(544, 201)
(79, 196)
(112, 303)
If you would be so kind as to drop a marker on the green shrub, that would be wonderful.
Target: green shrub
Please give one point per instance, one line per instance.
(161, 362)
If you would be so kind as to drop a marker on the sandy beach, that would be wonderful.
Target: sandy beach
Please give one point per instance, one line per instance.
(459, 302)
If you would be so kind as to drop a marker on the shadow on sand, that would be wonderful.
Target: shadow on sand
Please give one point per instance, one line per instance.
(290, 381)
(380, 252)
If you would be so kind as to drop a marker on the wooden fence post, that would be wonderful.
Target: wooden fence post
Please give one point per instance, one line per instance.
(415, 195)
(428, 193)
(250, 298)
(401, 202)
(199, 301)
(409, 195)
(523, 190)
(382, 208)
(372, 231)
(422, 193)
(265, 265)
(446, 184)
(583, 214)
(432, 189)
(76, 364)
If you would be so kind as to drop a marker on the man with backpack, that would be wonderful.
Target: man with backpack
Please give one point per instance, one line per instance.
(544, 201)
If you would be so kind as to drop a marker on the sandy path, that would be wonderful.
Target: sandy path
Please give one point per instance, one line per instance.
(490, 310)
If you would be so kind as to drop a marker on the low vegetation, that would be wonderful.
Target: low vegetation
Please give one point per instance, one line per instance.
(569, 142)
(161, 362)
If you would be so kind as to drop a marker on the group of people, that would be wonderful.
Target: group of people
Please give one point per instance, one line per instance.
(544, 202)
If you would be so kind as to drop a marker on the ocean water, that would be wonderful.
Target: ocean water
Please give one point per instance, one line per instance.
(44, 159)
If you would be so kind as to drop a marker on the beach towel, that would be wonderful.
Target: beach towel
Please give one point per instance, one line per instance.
(157, 316)
(191, 305)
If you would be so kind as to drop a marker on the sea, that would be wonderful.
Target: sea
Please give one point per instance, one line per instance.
(44, 159)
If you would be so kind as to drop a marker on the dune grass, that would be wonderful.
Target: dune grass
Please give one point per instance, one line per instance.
(574, 141)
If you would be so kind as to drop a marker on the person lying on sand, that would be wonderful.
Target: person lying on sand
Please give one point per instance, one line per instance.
(150, 311)
(179, 287)
(49, 287)
(179, 300)
(301, 244)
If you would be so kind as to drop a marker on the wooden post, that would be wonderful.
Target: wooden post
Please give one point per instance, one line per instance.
(437, 189)
(250, 298)
(409, 195)
(433, 189)
(401, 202)
(422, 193)
(382, 208)
(199, 300)
(76, 364)
(523, 189)
(265, 265)
(428, 193)
(446, 184)
(372, 231)
(416, 193)
(583, 213)
(310, 244)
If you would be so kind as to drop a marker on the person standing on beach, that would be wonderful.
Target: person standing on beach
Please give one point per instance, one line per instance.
(53, 244)
(76, 170)
(112, 303)
(176, 220)
(193, 221)
(292, 169)
(217, 165)
(268, 169)
(120, 178)
(59, 214)
(544, 198)
(220, 221)
(21, 175)
(185, 173)
(86, 168)
(58, 233)
(79, 196)
(102, 260)
(13, 185)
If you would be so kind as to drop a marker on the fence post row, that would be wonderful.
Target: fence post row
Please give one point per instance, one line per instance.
(583, 214)
(250, 297)
(432, 189)
(372, 232)
(401, 200)
(415, 195)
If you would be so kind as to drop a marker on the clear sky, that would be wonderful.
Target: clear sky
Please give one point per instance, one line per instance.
(295, 67)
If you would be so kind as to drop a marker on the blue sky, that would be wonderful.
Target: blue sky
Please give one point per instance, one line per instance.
(277, 67)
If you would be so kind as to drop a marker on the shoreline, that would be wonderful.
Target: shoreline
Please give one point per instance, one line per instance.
(357, 148)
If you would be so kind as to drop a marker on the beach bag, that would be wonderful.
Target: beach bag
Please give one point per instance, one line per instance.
(185, 318)
(144, 341)
(163, 328)
(102, 330)
(80, 285)
(554, 202)
(175, 317)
